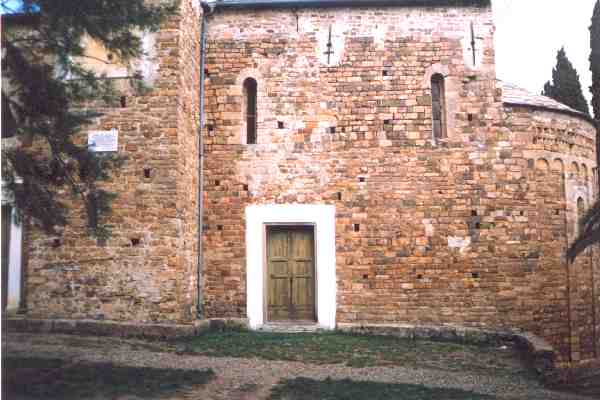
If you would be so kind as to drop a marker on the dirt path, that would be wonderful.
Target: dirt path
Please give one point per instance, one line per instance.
(240, 379)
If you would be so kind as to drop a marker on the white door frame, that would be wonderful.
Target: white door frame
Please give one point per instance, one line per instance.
(13, 298)
(323, 219)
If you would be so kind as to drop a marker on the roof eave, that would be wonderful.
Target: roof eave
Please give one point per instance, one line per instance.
(237, 4)
(537, 107)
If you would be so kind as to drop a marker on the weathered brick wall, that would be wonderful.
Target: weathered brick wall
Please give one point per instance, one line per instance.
(416, 198)
(70, 276)
(464, 231)
(561, 149)
(468, 230)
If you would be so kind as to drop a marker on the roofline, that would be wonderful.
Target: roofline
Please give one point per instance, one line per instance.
(572, 113)
(261, 4)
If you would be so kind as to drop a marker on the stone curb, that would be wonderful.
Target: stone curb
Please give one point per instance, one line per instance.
(118, 329)
(540, 353)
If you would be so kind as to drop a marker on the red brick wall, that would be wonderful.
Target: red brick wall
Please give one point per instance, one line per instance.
(152, 281)
(479, 186)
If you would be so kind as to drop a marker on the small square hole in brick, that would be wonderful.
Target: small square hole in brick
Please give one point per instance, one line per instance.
(557, 212)
(365, 276)
(217, 182)
(135, 241)
(280, 125)
(471, 117)
(362, 179)
(210, 128)
(478, 226)
(331, 129)
(475, 275)
(473, 213)
(385, 72)
(339, 195)
(123, 101)
(419, 276)
(56, 243)
(522, 213)
(356, 227)
(246, 188)
(147, 173)
(387, 121)
(219, 227)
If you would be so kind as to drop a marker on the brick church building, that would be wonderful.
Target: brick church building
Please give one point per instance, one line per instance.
(352, 162)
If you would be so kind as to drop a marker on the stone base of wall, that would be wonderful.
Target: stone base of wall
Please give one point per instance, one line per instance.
(114, 328)
(541, 354)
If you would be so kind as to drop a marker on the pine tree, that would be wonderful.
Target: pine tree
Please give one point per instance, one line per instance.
(43, 103)
(595, 60)
(565, 86)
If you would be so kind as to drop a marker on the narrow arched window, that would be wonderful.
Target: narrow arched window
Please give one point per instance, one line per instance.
(250, 87)
(580, 214)
(438, 106)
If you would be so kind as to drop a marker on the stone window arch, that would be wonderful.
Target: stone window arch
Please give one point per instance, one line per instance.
(542, 165)
(249, 107)
(438, 107)
(575, 170)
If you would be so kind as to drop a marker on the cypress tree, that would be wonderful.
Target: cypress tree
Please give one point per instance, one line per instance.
(565, 86)
(595, 68)
(44, 88)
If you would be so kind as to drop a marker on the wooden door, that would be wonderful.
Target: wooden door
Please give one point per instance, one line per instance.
(290, 274)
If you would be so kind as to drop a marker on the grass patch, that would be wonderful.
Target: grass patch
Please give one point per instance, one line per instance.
(308, 389)
(40, 378)
(358, 351)
(586, 385)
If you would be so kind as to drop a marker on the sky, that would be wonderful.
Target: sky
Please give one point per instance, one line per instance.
(530, 32)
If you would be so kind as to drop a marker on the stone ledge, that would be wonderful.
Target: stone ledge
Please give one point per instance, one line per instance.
(540, 352)
(105, 328)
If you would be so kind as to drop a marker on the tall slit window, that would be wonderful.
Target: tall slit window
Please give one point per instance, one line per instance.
(250, 87)
(580, 214)
(438, 103)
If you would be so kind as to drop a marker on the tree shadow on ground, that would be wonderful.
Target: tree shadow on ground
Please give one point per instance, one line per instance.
(309, 389)
(40, 378)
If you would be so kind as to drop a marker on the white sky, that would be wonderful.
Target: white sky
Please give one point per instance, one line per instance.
(530, 32)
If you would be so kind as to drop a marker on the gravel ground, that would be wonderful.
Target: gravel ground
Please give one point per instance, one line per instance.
(238, 378)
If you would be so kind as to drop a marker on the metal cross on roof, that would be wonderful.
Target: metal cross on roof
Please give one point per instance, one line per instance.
(473, 45)
(329, 51)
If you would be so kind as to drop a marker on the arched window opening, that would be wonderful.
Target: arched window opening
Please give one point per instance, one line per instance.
(438, 105)
(580, 213)
(250, 88)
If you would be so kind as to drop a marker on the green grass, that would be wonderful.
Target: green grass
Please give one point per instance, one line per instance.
(309, 389)
(358, 351)
(39, 378)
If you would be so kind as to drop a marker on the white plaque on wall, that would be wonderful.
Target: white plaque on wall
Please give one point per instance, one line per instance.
(103, 140)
